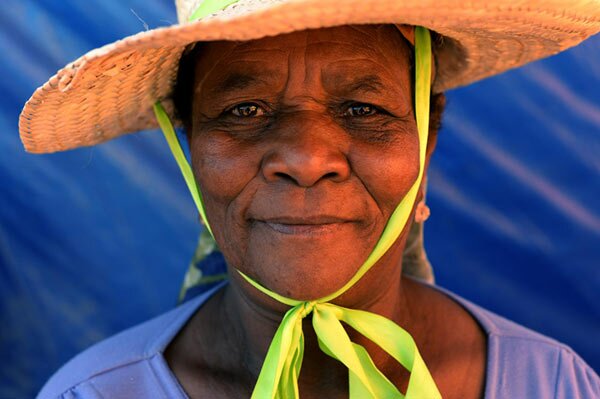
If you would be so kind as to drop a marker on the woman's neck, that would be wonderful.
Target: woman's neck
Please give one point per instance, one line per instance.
(253, 320)
(223, 347)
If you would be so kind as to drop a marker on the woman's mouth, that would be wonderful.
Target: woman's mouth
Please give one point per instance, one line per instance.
(305, 226)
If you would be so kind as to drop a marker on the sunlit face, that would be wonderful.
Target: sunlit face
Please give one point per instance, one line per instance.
(303, 145)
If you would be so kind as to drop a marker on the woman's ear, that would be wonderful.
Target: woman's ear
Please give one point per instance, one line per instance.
(438, 102)
(422, 211)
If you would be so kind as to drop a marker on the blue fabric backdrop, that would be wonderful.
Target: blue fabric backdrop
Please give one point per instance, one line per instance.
(95, 240)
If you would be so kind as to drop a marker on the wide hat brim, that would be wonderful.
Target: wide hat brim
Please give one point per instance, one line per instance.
(110, 90)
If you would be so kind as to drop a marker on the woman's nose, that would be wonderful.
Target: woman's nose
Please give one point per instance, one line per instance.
(306, 151)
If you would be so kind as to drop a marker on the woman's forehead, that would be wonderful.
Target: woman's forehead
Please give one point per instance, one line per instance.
(366, 37)
(362, 57)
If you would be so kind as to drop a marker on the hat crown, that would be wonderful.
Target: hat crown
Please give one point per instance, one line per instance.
(185, 8)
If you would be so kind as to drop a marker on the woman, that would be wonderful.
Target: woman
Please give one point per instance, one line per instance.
(309, 150)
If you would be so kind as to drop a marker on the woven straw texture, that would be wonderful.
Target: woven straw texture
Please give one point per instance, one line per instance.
(110, 91)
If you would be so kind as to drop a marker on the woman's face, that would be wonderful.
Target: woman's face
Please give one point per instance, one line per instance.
(303, 145)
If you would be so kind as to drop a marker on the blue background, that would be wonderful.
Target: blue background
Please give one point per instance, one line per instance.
(95, 240)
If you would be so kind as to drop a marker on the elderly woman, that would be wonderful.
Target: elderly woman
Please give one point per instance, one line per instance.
(310, 133)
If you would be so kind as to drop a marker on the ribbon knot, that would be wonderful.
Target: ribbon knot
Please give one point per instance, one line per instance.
(281, 368)
(307, 308)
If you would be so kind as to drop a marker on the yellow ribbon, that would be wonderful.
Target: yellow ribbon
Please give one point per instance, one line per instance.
(207, 7)
(279, 374)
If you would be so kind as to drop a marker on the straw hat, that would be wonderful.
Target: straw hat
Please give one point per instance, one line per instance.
(110, 90)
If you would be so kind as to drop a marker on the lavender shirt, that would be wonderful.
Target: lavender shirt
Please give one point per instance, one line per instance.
(521, 363)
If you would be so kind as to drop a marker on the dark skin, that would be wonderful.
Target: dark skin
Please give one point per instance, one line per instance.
(303, 145)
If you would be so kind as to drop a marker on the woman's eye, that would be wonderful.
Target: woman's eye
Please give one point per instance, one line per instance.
(247, 110)
(360, 110)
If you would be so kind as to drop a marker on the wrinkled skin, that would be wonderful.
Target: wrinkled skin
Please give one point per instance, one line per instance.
(303, 145)
(310, 185)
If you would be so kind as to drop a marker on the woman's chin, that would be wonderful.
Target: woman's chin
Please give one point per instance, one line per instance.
(309, 276)
(303, 261)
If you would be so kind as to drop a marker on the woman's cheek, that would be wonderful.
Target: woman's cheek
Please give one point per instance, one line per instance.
(389, 175)
(222, 169)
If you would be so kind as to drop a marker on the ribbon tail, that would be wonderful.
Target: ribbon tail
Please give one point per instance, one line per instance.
(357, 389)
(288, 384)
(421, 384)
(366, 380)
(278, 356)
(398, 343)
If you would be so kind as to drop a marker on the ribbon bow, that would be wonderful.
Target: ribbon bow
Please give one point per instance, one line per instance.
(279, 375)
(281, 368)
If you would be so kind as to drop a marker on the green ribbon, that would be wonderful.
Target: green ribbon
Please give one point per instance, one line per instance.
(279, 374)
(169, 132)
(207, 7)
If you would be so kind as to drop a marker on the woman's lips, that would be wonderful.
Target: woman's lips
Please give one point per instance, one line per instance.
(305, 226)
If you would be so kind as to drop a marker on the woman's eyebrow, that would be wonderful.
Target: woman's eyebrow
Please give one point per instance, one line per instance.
(345, 82)
(368, 83)
(238, 81)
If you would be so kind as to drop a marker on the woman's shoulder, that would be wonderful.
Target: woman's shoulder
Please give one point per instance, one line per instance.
(130, 362)
(525, 363)
(533, 365)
